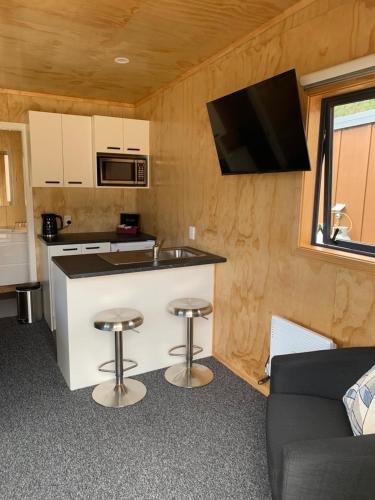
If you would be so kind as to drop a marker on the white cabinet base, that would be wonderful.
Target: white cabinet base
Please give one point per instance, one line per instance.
(49, 251)
(81, 348)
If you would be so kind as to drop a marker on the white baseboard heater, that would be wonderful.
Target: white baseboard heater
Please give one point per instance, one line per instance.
(288, 338)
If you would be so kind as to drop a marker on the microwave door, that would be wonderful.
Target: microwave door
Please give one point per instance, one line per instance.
(117, 171)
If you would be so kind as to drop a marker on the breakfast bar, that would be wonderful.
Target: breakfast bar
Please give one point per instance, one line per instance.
(85, 285)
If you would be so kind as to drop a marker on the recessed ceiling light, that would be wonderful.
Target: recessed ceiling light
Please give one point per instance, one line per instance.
(121, 60)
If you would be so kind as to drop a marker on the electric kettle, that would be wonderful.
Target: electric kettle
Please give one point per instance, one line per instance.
(49, 225)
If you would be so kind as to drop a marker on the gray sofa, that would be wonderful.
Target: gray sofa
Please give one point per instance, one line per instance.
(312, 453)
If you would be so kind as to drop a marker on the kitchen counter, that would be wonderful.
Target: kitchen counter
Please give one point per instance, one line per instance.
(85, 266)
(106, 284)
(78, 238)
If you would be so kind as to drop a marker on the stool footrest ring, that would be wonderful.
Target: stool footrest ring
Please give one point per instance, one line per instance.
(124, 369)
(196, 350)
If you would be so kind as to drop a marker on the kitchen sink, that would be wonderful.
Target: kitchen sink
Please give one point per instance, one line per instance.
(178, 253)
(142, 256)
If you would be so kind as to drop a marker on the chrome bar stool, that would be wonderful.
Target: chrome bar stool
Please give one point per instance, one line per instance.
(189, 374)
(120, 392)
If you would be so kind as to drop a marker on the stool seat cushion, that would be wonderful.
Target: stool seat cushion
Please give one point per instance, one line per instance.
(118, 320)
(190, 307)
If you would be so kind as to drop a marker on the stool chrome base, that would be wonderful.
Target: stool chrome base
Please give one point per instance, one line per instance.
(117, 396)
(181, 376)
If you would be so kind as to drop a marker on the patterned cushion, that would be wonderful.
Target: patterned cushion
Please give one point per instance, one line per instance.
(359, 401)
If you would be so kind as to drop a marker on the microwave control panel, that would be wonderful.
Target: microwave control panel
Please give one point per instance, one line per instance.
(142, 172)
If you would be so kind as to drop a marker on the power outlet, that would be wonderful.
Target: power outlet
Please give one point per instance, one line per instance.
(67, 220)
(191, 232)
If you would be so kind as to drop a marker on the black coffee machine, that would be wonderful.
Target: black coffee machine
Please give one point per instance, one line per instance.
(49, 225)
(131, 220)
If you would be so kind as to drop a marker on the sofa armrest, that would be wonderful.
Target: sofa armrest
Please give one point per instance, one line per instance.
(320, 373)
(329, 469)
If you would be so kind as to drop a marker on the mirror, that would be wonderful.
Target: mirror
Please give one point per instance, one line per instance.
(12, 189)
(6, 184)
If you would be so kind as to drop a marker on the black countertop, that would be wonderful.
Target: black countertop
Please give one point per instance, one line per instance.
(89, 265)
(112, 237)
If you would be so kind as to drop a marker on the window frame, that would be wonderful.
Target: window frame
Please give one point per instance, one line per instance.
(324, 169)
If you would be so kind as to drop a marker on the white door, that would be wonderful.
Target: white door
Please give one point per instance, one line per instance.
(136, 136)
(46, 149)
(108, 134)
(77, 151)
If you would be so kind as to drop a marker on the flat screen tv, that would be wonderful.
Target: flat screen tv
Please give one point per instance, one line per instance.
(259, 129)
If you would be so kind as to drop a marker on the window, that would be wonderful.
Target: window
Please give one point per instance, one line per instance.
(344, 203)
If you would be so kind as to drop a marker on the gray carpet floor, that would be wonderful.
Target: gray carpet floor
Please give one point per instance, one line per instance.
(207, 443)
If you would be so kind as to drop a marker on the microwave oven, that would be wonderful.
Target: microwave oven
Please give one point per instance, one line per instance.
(122, 170)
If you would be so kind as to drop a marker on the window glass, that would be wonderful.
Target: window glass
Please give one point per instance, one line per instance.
(345, 196)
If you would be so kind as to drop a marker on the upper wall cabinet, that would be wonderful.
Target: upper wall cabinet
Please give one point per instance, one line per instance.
(61, 150)
(108, 134)
(121, 135)
(136, 136)
(77, 150)
(46, 149)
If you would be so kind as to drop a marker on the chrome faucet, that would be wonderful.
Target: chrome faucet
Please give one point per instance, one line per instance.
(156, 249)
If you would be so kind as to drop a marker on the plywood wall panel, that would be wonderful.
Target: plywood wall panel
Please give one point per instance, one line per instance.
(3, 108)
(312, 296)
(91, 209)
(18, 106)
(354, 309)
(253, 220)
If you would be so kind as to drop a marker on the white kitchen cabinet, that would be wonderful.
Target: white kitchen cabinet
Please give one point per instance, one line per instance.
(77, 151)
(81, 348)
(46, 149)
(62, 250)
(62, 145)
(108, 134)
(136, 136)
(121, 135)
(61, 150)
(49, 251)
(14, 258)
(96, 247)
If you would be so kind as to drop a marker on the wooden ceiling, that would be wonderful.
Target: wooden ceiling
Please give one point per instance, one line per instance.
(68, 47)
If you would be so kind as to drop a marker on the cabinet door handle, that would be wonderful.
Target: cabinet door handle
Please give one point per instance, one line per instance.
(69, 249)
(113, 147)
(92, 248)
(52, 182)
(74, 182)
(133, 149)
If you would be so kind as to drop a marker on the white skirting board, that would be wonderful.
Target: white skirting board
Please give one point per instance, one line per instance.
(81, 348)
